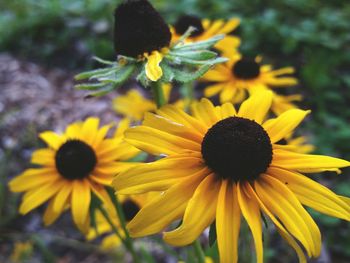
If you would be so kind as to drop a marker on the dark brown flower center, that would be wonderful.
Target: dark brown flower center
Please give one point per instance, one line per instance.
(139, 28)
(130, 209)
(237, 148)
(185, 21)
(246, 69)
(75, 160)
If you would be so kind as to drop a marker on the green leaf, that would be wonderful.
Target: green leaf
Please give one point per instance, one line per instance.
(200, 45)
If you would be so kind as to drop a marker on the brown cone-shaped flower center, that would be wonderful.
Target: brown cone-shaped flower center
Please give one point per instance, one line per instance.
(185, 21)
(75, 160)
(139, 28)
(237, 148)
(246, 68)
(130, 209)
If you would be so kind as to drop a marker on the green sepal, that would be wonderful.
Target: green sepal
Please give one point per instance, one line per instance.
(212, 234)
(185, 76)
(193, 54)
(89, 74)
(200, 45)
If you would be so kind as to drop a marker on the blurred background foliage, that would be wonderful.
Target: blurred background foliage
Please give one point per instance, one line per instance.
(313, 36)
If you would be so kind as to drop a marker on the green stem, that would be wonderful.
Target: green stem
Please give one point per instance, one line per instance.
(127, 239)
(199, 251)
(158, 93)
(127, 242)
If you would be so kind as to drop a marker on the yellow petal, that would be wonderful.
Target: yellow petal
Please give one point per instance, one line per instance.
(227, 110)
(50, 216)
(169, 126)
(165, 208)
(44, 157)
(284, 124)
(81, 198)
(307, 163)
(158, 142)
(52, 139)
(121, 151)
(89, 130)
(38, 196)
(205, 111)
(282, 202)
(158, 175)
(73, 130)
(181, 117)
(228, 221)
(228, 93)
(153, 71)
(123, 125)
(62, 197)
(100, 136)
(283, 232)
(257, 106)
(312, 194)
(228, 45)
(229, 26)
(32, 178)
(199, 213)
(212, 90)
(251, 212)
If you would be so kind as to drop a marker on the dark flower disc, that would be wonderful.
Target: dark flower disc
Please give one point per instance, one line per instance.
(130, 209)
(139, 28)
(246, 68)
(75, 160)
(237, 148)
(185, 21)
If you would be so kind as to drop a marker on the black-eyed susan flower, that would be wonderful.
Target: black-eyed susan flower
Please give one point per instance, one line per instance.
(130, 205)
(134, 104)
(205, 29)
(75, 164)
(241, 75)
(143, 45)
(222, 164)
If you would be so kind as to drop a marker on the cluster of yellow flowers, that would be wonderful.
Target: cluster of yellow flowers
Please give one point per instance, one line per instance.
(206, 163)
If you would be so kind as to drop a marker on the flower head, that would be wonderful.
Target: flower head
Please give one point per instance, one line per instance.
(139, 29)
(75, 164)
(241, 75)
(222, 164)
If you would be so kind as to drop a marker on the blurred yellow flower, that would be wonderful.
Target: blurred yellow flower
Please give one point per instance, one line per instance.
(77, 163)
(134, 105)
(21, 251)
(241, 75)
(206, 29)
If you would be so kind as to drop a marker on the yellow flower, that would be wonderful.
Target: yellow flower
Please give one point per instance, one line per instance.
(134, 105)
(281, 103)
(206, 29)
(21, 251)
(240, 75)
(76, 163)
(221, 164)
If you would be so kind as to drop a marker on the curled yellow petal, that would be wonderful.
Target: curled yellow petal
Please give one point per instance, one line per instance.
(153, 71)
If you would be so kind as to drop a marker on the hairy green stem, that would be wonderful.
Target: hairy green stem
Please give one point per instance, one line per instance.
(199, 251)
(127, 242)
(158, 93)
